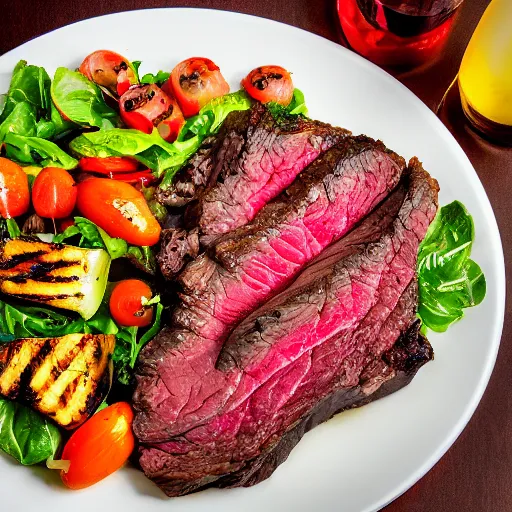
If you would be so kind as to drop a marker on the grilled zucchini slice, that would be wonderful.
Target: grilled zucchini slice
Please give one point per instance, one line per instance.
(64, 378)
(58, 275)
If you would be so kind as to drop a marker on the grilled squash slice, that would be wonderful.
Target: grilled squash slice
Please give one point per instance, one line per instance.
(58, 275)
(64, 378)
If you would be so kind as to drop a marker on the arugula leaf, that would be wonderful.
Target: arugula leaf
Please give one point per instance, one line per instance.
(449, 281)
(31, 85)
(36, 151)
(158, 79)
(27, 435)
(93, 237)
(81, 100)
(150, 149)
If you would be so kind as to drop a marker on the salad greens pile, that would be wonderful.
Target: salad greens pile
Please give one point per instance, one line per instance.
(449, 280)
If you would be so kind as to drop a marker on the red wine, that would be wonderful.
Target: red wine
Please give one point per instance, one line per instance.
(407, 18)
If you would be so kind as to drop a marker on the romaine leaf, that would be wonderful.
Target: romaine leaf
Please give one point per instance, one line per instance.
(26, 435)
(36, 151)
(449, 281)
(81, 100)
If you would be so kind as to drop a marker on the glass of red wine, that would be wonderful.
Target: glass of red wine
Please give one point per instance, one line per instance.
(397, 33)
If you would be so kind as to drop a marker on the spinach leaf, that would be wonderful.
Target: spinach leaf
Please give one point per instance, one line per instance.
(36, 151)
(150, 149)
(158, 79)
(31, 85)
(21, 121)
(81, 100)
(26, 435)
(128, 348)
(93, 237)
(143, 258)
(449, 281)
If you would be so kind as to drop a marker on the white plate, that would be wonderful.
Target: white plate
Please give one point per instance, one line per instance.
(360, 460)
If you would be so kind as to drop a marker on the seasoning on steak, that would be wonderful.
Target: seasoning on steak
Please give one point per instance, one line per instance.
(254, 262)
(254, 158)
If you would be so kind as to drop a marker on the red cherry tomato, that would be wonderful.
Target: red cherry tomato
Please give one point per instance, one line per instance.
(108, 165)
(110, 70)
(146, 106)
(14, 190)
(119, 209)
(127, 303)
(54, 193)
(195, 82)
(269, 83)
(63, 224)
(99, 447)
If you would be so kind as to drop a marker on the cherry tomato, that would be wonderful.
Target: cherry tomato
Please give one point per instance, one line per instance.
(269, 83)
(119, 209)
(99, 447)
(146, 106)
(108, 165)
(110, 70)
(127, 303)
(63, 224)
(195, 82)
(54, 193)
(14, 190)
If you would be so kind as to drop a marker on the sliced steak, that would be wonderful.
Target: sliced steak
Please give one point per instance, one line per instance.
(254, 158)
(254, 262)
(329, 334)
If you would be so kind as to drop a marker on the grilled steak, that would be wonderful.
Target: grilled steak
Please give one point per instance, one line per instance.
(294, 362)
(253, 160)
(254, 262)
(394, 370)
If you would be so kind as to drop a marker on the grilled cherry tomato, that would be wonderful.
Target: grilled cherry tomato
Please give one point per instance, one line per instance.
(195, 82)
(127, 303)
(146, 106)
(110, 70)
(99, 447)
(269, 83)
(14, 190)
(54, 193)
(119, 209)
(108, 165)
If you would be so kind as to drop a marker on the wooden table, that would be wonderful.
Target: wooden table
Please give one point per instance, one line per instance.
(475, 475)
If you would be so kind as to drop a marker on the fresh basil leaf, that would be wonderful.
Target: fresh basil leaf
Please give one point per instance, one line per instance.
(449, 281)
(81, 100)
(29, 84)
(26, 435)
(35, 151)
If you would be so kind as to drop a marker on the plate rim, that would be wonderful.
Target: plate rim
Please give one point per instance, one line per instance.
(497, 327)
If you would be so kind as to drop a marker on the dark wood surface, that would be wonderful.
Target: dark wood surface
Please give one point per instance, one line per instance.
(475, 475)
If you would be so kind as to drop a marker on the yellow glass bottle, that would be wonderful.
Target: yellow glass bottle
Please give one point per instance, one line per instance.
(485, 76)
